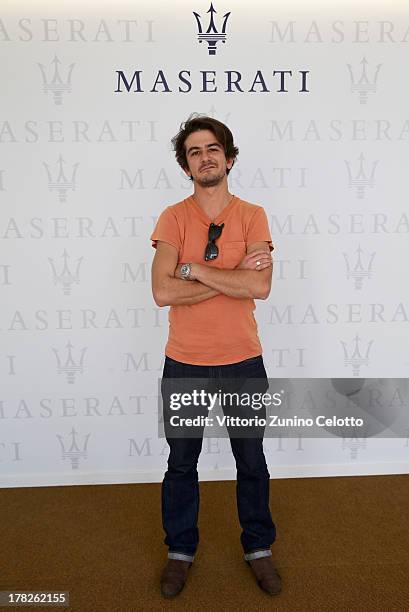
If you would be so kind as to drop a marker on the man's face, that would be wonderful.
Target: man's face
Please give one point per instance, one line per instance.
(206, 159)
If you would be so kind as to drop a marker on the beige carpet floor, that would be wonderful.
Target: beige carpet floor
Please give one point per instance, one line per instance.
(342, 546)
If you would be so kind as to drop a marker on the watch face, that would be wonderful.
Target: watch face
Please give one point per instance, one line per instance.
(185, 270)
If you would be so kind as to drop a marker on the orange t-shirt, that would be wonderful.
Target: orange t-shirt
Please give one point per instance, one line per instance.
(221, 329)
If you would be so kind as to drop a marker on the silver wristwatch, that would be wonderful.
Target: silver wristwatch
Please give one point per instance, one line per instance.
(185, 271)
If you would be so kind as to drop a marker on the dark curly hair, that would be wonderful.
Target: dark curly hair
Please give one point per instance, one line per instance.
(198, 122)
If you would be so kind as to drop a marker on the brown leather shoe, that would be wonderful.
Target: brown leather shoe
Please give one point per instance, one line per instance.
(174, 577)
(266, 575)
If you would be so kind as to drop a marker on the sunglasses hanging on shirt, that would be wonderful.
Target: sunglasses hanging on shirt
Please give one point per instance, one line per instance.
(212, 251)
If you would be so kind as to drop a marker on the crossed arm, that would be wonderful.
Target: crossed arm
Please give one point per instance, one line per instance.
(246, 281)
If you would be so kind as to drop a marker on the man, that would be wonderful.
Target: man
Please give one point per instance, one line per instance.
(212, 260)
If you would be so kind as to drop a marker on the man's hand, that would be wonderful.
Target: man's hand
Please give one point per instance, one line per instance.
(256, 260)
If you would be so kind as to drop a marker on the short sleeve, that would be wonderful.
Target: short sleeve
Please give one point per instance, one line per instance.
(258, 230)
(167, 229)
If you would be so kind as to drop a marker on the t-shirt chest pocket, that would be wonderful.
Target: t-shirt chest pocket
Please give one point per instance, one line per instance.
(232, 253)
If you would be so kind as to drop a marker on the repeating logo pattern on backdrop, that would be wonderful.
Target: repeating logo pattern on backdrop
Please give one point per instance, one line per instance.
(357, 269)
(72, 449)
(58, 179)
(65, 276)
(53, 81)
(325, 198)
(353, 355)
(70, 366)
(361, 84)
(362, 177)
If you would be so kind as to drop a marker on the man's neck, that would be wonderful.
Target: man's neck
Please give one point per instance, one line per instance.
(212, 200)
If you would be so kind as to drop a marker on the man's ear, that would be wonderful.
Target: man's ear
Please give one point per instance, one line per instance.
(187, 172)
(230, 163)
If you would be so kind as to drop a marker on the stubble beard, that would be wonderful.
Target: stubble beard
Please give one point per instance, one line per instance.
(210, 181)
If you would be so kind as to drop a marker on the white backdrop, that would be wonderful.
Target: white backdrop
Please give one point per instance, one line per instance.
(86, 168)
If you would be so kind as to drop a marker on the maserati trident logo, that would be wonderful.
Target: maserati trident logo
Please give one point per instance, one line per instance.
(55, 84)
(61, 182)
(359, 271)
(66, 277)
(74, 452)
(361, 180)
(70, 367)
(215, 114)
(211, 35)
(363, 85)
(354, 358)
(354, 444)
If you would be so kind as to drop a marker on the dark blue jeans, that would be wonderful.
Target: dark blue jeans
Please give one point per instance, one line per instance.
(180, 487)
